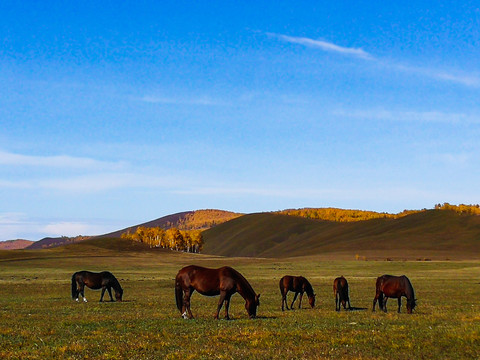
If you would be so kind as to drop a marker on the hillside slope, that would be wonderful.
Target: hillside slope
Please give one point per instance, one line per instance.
(187, 220)
(14, 244)
(430, 234)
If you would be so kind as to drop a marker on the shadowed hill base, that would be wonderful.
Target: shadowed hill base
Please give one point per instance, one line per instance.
(431, 234)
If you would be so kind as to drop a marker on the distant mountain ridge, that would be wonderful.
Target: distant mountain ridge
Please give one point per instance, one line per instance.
(50, 242)
(15, 244)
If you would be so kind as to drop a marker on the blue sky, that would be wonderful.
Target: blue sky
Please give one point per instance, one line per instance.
(116, 113)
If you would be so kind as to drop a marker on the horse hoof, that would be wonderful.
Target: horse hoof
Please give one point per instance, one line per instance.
(76, 300)
(85, 300)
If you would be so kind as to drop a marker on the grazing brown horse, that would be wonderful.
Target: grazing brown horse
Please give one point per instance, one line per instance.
(103, 280)
(298, 285)
(389, 286)
(224, 281)
(340, 290)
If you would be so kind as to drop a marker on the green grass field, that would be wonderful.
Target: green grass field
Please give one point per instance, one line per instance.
(39, 320)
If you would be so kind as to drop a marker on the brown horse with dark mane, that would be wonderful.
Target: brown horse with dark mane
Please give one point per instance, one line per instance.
(103, 280)
(340, 290)
(224, 281)
(389, 286)
(298, 285)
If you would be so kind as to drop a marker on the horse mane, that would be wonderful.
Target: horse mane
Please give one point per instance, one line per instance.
(409, 291)
(308, 287)
(116, 284)
(245, 288)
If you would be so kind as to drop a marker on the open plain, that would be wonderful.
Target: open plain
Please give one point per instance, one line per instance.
(41, 321)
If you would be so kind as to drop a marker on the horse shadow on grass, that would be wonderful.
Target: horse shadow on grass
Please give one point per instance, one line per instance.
(353, 308)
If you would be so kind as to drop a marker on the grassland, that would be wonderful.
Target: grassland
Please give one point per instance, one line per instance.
(39, 320)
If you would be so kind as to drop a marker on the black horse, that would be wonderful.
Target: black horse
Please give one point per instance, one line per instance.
(103, 280)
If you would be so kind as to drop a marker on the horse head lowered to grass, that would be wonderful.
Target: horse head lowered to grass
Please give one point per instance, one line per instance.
(224, 281)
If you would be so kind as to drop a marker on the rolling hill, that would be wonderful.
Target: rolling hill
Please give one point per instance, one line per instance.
(187, 220)
(15, 244)
(428, 234)
(431, 234)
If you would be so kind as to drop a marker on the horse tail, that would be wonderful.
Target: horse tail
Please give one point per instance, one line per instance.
(74, 286)
(178, 294)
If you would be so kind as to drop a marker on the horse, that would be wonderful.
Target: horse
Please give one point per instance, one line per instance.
(298, 285)
(389, 286)
(224, 281)
(340, 290)
(103, 280)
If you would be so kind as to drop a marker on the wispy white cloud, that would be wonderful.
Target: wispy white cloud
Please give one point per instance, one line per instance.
(419, 116)
(457, 77)
(70, 228)
(470, 80)
(15, 225)
(94, 182)
(107, 181)
(57, 161)
(324, 45)
(202, 100)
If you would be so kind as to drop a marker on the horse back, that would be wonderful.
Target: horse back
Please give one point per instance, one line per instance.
(206, 281)
(286, 284)
(92, 280)
(340, 286)
(394, 286)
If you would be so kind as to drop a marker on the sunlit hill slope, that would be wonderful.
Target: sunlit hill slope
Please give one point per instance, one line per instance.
(432, 234)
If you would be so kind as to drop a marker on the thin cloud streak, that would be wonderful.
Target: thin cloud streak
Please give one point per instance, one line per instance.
(11, 224)
(324, 45)
(466, 80)
(92, 183)
(420, 116)
(201, 101)
(58, 161)
(462, 79)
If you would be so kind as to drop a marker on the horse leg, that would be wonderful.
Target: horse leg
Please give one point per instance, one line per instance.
(187, 313)
(337, 302)
(375, 301)
(103, 292)
(385, 304)
(300, 300)
(82, 292)
(223, 294)
(399, 303)
(227, 304)
(284, 301)
(349, 306)
(294, 298)
(109, 289)
(77, 292)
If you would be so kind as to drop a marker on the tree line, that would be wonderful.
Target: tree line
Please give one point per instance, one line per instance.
(343, 215)
(460, 209)
(172, 238)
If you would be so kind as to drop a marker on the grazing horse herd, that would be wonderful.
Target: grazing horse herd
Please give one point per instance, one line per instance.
(226, 281)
